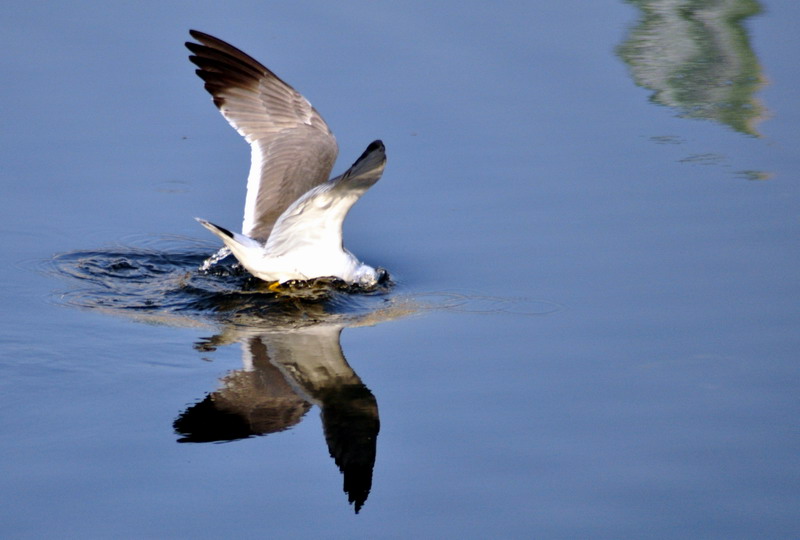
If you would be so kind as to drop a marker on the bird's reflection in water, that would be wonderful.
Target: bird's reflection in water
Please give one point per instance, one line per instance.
(288, 368)
(289, 340)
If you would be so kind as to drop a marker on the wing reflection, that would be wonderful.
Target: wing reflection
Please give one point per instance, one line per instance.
(289, 341)
(253, 401)
(287, 370)
(696, 57)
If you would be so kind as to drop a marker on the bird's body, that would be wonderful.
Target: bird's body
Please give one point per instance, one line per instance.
(292, 226)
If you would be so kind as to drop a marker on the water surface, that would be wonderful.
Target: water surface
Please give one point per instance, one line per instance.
(590, 218)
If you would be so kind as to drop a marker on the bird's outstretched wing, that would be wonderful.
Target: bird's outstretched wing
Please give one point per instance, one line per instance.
(292, 148)
(315, 220)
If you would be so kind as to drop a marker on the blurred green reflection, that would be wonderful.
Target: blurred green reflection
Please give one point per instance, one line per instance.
(696, 57)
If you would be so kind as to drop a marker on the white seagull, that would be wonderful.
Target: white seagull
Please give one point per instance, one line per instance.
(292, 228)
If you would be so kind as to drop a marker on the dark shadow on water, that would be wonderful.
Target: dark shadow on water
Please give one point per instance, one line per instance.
(164, 282)
(289, 338)
(158, 281)
(287, 371)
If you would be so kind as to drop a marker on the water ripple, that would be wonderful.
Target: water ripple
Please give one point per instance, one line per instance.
(162, 277)
(157, 279)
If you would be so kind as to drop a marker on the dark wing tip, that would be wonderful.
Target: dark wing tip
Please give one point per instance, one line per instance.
(204, 38)
(217, 49)
(367, 169)
(374, 146)
(377, 144)
(194, 47)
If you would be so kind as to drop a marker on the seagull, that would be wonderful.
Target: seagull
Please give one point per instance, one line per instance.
(293, 215)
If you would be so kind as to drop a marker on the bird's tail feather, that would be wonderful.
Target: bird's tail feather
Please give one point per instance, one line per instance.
(234, 241)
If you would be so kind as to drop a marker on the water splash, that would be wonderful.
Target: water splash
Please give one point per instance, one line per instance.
(159, 280)
(163, 278)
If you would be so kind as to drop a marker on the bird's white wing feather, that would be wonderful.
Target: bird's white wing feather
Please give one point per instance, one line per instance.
(315, 220)
(291, 147)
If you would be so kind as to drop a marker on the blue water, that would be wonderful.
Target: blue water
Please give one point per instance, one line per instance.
(590, 214)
